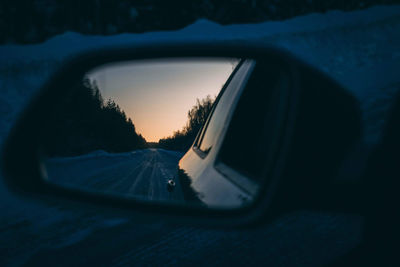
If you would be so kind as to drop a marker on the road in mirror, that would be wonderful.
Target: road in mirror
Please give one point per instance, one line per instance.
(123, 127)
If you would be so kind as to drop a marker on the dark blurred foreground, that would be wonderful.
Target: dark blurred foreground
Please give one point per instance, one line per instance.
(32, 21)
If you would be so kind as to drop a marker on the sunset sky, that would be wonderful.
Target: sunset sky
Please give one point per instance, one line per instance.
(157, 94)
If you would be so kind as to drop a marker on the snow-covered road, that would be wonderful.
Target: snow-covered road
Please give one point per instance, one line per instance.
(141, 174)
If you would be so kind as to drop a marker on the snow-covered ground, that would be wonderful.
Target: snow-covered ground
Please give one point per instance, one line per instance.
(361, 49)
(141, 174)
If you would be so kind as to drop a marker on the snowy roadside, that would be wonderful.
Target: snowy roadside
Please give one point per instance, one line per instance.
(361, 49)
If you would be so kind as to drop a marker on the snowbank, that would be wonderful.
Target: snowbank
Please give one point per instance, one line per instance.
(70, 43)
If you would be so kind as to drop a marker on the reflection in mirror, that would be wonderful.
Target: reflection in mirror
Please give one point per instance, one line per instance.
(123, 127)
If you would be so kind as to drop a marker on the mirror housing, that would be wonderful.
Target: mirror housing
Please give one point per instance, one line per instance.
(308, 104)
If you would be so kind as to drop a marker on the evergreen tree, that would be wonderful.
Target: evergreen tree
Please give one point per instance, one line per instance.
(182, 139)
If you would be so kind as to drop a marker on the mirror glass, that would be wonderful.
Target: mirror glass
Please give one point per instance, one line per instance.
(123, 128)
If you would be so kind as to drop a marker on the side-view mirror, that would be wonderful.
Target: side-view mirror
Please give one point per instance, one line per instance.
(217, 130)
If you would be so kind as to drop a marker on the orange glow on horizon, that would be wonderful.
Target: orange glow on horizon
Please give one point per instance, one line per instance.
(158, 94)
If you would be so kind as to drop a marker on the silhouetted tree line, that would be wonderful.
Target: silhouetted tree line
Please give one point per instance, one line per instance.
(181, 140)
(31, 21)
(83, 122)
